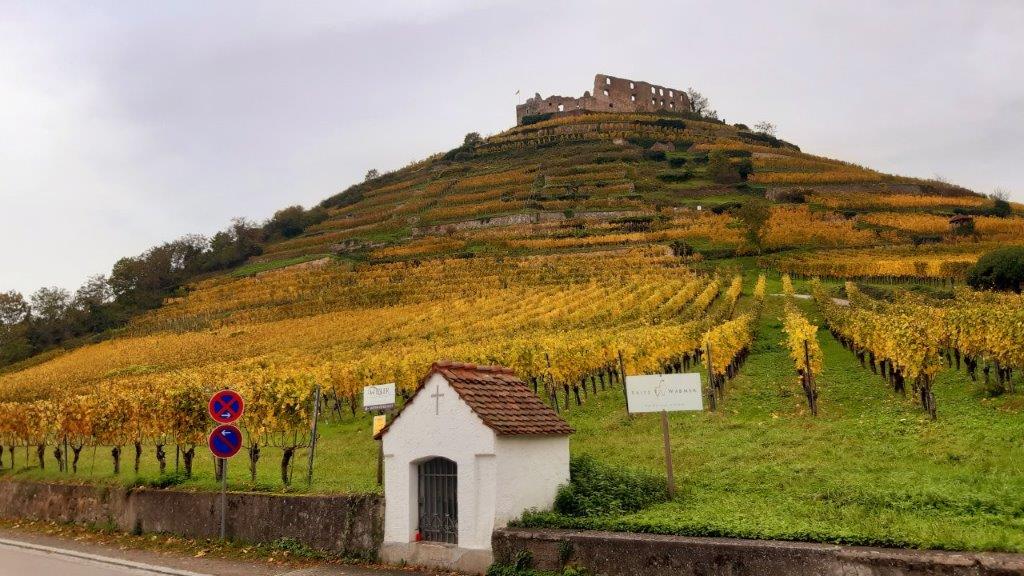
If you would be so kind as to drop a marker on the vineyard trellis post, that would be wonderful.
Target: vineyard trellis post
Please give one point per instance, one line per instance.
(625, 393)
(313, 433)
(808, 378)
(712, 398)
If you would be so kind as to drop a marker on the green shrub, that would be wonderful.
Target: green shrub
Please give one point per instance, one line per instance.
(163, 481)
(721, 169)
(738, 153)
(657, 155)
(642, 142)
(295, 549)
(675, 176)
(597, 489)
(670, 123)
(534, 118)
(676, 162)
(759, 138)
(1001, 208)
(1000, 269)
(726, 207)
(744, 166)
(791, 196)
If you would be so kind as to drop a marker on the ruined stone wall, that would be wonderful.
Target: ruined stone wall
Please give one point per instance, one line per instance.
(625, 95)
(610, 94)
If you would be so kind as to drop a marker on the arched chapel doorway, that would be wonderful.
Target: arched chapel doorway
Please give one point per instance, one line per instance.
(438, 501)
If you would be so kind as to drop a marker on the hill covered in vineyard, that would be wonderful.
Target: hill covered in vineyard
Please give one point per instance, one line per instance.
(695, 186)
(576, 250)
(600, 180)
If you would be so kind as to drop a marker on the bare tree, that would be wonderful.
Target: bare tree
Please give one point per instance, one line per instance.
(701, 105)
(765, 127)
(371, 174)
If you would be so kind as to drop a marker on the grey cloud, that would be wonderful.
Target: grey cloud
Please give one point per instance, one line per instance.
(125, 124)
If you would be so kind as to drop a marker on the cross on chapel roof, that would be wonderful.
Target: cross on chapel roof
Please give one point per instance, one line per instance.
(503, 402)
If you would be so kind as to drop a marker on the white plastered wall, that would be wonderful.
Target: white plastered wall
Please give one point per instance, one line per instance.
(530, 470)
(445, 427)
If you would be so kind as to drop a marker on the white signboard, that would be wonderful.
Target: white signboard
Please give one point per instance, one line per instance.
(664, 392)
(379, 397)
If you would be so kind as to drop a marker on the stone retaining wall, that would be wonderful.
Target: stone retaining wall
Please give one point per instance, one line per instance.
(621, 554)
(351, 525)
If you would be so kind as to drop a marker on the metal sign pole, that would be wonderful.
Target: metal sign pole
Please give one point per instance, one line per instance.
(223, 495)
(312, 441)
(668, 455)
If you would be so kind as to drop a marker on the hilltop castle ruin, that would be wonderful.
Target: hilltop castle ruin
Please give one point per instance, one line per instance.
(610, 95)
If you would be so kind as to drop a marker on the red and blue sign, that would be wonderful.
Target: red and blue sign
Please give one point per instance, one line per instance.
(225, 441)
(226, 406)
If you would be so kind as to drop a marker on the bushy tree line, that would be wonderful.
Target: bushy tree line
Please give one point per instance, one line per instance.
(50, 317)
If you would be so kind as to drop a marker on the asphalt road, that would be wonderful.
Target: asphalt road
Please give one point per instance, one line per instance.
(16, 561)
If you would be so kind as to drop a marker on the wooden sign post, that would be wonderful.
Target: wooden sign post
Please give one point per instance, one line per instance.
(665, 393)
(668, 455)
(379, 399)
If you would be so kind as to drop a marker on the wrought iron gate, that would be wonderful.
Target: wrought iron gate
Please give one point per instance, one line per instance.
(439, 508)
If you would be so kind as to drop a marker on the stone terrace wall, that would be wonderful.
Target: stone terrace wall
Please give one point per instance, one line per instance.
(351, 525)
(619, 554)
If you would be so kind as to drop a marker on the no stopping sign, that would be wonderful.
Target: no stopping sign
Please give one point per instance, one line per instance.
(225, 441)
(226, 406)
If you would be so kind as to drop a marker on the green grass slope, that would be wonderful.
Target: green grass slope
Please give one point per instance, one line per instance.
(871, 469)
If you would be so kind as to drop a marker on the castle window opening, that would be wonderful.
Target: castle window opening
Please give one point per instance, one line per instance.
(671, 104)
(631, 86)
(652, 89)
(671, 94)
(661, 91)
(607, 80)
(561, 107)
(654, 102)
(605, 92)
(632, 97)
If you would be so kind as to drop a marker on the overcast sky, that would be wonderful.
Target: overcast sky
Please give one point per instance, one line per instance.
(125, 124)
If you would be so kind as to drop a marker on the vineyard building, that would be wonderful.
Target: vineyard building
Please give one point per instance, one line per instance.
(471, 450)
(619, 95)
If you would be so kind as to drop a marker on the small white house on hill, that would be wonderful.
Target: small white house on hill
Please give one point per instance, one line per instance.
(471, 450)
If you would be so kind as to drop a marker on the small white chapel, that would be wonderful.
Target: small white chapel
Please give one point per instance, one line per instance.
(472, 449)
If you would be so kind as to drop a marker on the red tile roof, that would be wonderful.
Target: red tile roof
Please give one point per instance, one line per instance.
(502, 401)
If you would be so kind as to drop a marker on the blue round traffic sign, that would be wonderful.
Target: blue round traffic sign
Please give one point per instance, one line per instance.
(225, 441)
(226, 406)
